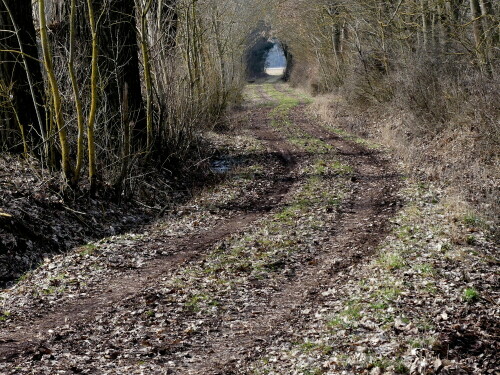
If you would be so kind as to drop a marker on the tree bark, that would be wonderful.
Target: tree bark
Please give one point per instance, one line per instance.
(93, 99)
(477, 28)
(425, 22)
(27, 99)
(119, 41)
(55, 92)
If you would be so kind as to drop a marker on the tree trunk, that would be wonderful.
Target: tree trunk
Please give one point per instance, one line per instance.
(425, 22)
(93, 100)
(76, 92)
(55, 93)
(475, 14)
(119, 38)
(478, 32)
(491, 29)
(144, 9)
(23, 70)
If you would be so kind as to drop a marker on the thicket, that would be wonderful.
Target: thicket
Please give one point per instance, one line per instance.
(108, 88)
(424, 74)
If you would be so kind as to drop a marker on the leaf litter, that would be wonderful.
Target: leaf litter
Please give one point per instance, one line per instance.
(276, 296)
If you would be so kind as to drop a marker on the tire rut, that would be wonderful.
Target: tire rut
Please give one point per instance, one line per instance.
(28, 337)
(362, 225)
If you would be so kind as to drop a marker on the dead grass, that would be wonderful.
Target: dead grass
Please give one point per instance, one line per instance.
(444, 129)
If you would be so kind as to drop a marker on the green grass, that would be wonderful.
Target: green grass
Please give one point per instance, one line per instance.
(308, 346)
(88, 249)
(353, 138)
(421, 342)
(24, 276)
(379, 305)
(196, 302)
(470, 295)
(4, 316)
(49, 290)
(384, 364)
(324, 168)
(391, 261)
(314, 371)
(472, 220)
(310, 144)
(471, 240)
(425, 269)
(288, 213)
(341, 168)
(388, 294)
(346, 318)
(405, 232)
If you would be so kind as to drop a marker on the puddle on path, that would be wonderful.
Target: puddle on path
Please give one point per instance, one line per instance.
(224, 164)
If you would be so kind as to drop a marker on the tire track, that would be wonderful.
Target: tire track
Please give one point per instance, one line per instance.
(28, 338)
(362, 225)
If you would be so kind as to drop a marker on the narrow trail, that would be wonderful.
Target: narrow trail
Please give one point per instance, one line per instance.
(72, 335)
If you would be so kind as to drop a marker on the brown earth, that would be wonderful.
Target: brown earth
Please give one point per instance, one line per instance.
(374, 201)
(44, 336)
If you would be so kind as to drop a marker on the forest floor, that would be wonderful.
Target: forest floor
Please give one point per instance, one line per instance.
(314, 255)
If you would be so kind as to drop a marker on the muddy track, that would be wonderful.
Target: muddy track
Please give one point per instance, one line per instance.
(243, 336)
(362, 224)
(28, 337)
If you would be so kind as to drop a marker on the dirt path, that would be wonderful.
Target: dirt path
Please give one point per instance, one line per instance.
(362, 224)
(107, 326)
(18, 340)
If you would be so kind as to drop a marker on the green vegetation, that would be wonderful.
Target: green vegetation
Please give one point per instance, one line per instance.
(24, 276)
(88, 249)
(197, 301)
(392, 260)
(353, 138)
(347, 317)
(4, 316)
(313, 371)
(470, 295)
(472, 220)
(425, 269)
(311, 144)
(309, 346)
(470, 240)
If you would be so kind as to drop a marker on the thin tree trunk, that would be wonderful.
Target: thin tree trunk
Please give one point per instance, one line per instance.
(76, 93)
(126, 144)
(93, 100)
(478, 32)
(490, 32)
(56, 96)
(28, 85)
(425, 22)
(147, 75)
(121, 60)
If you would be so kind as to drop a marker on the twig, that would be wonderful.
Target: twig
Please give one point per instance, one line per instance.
(75, 211)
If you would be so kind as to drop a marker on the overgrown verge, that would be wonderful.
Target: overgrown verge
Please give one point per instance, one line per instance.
(37, 221)
(426, 303)
(421, 77)
(447, 135)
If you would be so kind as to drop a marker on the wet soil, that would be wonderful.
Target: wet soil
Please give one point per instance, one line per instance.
(50, 336)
